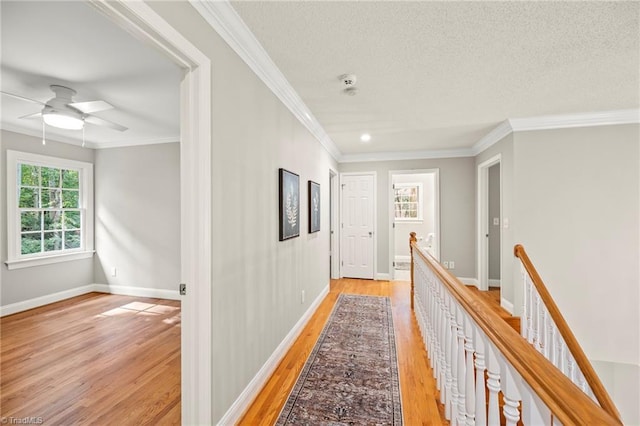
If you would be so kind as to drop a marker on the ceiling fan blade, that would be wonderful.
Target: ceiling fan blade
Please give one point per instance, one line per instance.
(34, 115)
(91, 106)
(22, 98)
(92, 119)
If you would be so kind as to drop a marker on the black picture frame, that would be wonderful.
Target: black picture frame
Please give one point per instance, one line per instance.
(289, 202)
(314, 207)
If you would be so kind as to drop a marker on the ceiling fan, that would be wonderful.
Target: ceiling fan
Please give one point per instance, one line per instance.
(62, 112)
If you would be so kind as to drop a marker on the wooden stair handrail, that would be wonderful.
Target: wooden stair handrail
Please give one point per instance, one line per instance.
(564, 399)
(585, 366)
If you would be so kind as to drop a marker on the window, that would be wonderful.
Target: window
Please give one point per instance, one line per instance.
(49, 209)
(408, 201)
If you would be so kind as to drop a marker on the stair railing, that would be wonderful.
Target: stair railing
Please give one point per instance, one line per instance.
(544, 327)
(473, 352)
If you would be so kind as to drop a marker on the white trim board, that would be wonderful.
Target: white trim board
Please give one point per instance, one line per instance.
(223, 18)
(37, 302)
(508, 306)
(380, 276)
(468, 281)
(246, 397)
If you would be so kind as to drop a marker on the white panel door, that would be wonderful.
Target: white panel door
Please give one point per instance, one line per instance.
(357, 226)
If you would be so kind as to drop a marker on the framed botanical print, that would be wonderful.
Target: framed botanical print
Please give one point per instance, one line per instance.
(289, 194)
(314, 207)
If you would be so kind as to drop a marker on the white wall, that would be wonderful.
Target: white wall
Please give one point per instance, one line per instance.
(137, 216)
(19, 285)
(577, 195)
(423, 227)
(457, 206)
(256, 280)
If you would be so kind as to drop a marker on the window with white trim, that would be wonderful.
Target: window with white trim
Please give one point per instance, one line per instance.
(49, 209)
(407, 199)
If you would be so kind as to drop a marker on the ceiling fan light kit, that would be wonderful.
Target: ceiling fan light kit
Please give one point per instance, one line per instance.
(62, 120)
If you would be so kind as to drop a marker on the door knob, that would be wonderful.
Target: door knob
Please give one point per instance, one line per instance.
(370, 233)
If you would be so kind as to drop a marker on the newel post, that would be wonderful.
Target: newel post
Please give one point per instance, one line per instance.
(412, 239)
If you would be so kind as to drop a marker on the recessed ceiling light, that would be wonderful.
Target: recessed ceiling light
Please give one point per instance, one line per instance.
(365, 137)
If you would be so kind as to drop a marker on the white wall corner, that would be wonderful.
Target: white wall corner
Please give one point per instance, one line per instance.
(383, 277)
(469, 281)
(508, 306)
(496, 135)
(246, 397)
(224, 19)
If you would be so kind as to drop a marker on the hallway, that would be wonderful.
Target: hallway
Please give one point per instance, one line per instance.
(417, 386)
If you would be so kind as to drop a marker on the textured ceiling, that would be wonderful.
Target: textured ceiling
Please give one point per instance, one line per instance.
(72, 44)
(440, 75)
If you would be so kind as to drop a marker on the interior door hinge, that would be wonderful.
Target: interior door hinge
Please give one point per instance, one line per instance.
(394, 264)
(183, 289)
(342, 263)
(394, 225)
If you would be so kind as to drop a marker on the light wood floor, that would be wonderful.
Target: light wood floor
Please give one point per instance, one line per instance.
(93, 359)
(416, 383)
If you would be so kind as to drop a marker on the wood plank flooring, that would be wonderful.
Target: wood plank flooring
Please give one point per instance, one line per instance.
(93, 359)
(417, 386)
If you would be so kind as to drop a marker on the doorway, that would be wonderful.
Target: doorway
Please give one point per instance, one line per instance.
(357, 227)
(489, 223)
(195, 188)
(414, 206)
(334, 252)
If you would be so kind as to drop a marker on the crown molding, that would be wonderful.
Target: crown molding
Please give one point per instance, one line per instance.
(223, 18)
(567, 121)
(88, 144)
(406, 155)
(498, 133)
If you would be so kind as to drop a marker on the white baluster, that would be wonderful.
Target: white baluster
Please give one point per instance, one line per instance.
(537, 323)
(470, 392)
(481, 397)
(446, 326)
(524, 322)
(453, 360)
(462, 374)
(529, 311)
(493, 384)
(444, 393)
(511, 394)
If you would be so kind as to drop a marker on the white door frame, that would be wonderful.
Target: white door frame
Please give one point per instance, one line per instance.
(334, 226)
(436, 207)
(482, 215)
(375, 219)
(195, 185)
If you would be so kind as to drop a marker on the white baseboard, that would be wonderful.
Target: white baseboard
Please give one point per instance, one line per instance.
(402, 258)
(469, 281)
(508, 306)
(241, 404)
(494, 283)
(138, 291)
(383, 277)
(36, 302)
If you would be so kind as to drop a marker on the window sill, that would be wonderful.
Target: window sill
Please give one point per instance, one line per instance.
(47, 260)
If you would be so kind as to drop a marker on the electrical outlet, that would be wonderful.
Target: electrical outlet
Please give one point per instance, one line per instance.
(114, 272)
(496, 221)
(445, 264)
(302, 297)
(452, 264)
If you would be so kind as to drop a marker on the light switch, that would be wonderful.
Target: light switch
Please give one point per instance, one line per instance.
(505, 223)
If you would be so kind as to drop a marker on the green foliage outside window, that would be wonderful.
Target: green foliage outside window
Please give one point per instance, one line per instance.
(49, 204)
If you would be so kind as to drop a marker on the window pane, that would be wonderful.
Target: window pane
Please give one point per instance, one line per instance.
(70, 179)
(30, 243)
(30, 221)
(28, 175)
(72, 239)
(52, 220)
(50, 177)
(51, 198)
(28, 198)
(52, 241)
(70, 199)
(71, 220)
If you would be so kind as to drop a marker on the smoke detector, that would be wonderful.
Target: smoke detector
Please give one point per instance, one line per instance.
(349, 84)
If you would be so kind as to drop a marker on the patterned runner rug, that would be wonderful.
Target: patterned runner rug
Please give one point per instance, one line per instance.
(351, 376)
